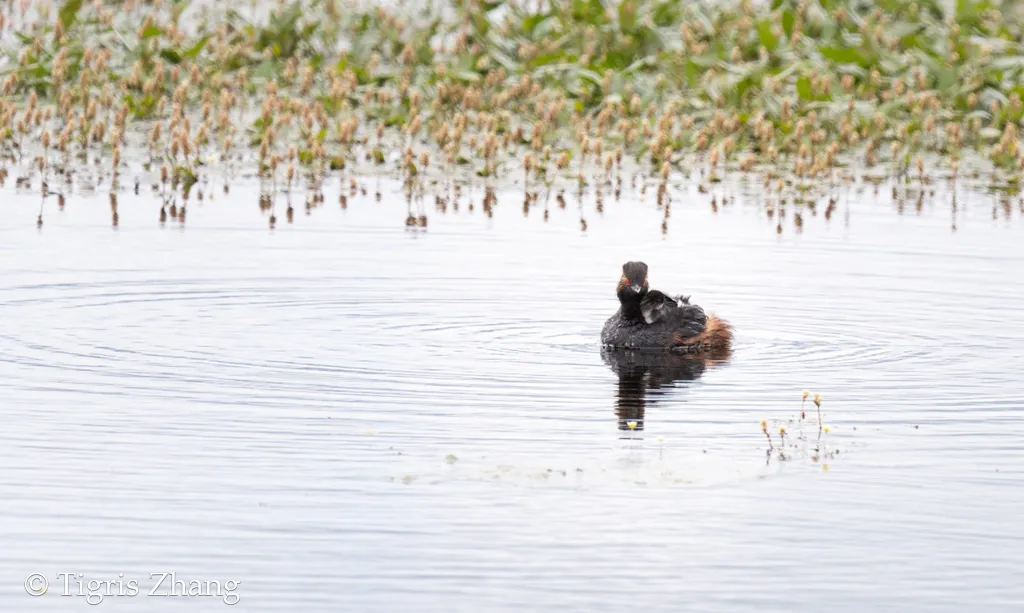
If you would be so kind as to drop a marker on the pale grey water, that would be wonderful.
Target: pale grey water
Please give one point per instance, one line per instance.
(278, 407)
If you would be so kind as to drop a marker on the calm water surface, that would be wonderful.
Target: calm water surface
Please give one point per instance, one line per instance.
(346, 415)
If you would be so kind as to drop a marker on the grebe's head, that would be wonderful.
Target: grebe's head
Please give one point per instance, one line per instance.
(634, 278)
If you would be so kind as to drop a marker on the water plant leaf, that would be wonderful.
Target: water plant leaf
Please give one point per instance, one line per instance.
(1008, 62)
(979, 114)
(842, 55)
(803, 88)
(531, 22)
(69, 13)
(787, 22)
(150, 32)
(966, 11)
(590, 75)
(171, 56)
(481, 25)
(705, 61)
(504, 59)
(665, 14)
(141, 107)
(946, 78)
(197, 48)
(546, 58)
(768, 39)
(692, 72)
(266, 70)
(589, 11)
(466, 75)
(990, 133)
(627, 16)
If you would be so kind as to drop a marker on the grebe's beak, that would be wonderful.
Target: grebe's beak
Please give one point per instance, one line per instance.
(636, 287)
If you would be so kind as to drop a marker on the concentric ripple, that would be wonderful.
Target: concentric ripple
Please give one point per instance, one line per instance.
(344, 415)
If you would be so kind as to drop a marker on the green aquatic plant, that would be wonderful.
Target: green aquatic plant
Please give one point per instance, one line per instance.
(581, 93)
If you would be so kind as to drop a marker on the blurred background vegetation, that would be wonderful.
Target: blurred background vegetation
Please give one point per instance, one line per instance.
(802, 85)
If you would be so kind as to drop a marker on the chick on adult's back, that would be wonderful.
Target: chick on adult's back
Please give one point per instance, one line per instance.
(650, 319)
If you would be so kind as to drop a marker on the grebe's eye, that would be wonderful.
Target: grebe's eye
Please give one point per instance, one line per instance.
(625, 280)
(645, 282)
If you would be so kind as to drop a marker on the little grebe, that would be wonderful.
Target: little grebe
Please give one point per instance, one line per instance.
(649, 319)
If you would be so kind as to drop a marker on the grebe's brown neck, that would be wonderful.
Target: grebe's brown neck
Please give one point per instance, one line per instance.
(630, 300)
(631, 289)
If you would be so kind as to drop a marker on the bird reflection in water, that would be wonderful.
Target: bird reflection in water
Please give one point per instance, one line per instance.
(645, 375)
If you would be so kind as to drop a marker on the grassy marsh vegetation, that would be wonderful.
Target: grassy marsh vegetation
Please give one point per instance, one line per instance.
(576, 94)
